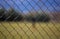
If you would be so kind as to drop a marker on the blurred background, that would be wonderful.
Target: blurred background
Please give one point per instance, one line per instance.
(30, 19)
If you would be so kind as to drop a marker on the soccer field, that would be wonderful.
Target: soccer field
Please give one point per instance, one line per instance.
(25, 30)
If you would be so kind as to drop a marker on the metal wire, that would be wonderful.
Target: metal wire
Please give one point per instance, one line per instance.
(35, 33)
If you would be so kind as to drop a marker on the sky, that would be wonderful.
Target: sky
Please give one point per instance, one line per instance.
(26, 6)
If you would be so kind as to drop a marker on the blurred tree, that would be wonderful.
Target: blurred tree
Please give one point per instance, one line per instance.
(10, 15)
(42, 18)
(19, 17)
(32, 19)
(2, 11)
(38, 18)
(13, 15)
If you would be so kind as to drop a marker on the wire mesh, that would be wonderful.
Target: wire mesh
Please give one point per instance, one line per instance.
(29, 19)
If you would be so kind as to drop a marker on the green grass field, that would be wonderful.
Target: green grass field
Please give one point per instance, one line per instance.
(25, 30)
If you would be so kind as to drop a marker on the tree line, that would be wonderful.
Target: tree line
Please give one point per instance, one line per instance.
(12, 15)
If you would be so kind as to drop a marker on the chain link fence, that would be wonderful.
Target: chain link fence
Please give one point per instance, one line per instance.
(40, 20)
